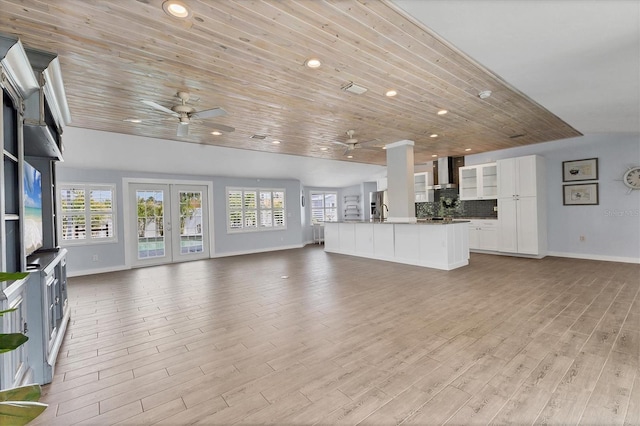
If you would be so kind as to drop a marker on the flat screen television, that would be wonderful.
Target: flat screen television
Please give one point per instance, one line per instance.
(32, 186)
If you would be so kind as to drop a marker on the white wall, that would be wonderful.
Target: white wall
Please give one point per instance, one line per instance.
(111, 256)
(612, 228)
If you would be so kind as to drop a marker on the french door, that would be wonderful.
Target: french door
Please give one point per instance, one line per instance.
(170, 222)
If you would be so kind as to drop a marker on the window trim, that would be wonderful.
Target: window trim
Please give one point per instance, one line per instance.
(259, 227)
(324, 207)
(87, 187)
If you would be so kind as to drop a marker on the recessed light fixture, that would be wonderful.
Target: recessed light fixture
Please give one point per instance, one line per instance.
(175, 8)
(390, 93)
(433, 135)
(216, 133)
(442, 112)
(275, 142)
(384, 147)
(434, 155)
(324, 148)
(133, 120)
(349, 156)
(313, 63)
(468, 149)
(484, 94)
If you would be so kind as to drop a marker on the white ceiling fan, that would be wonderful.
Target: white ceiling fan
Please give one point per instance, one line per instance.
(184, 113)
(352, 143)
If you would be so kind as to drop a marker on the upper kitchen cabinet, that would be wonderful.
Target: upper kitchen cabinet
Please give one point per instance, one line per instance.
(519, 176)
(479, 182)
(423, 187)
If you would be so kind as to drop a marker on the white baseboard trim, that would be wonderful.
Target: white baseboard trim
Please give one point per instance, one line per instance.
(595, 257)
(263, 250)
(97, 271)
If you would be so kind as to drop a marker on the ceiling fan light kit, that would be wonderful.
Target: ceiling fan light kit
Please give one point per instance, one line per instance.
(184, 113)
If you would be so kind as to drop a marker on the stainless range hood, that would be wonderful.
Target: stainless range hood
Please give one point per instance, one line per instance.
(445, 173)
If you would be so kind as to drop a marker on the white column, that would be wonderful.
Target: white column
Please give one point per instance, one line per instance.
(400, 191)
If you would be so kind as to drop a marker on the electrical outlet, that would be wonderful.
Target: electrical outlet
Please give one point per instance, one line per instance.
(95, 258)
(582, 238)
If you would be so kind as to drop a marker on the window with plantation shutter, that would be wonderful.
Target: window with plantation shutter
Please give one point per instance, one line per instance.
(324, 207)
(87, 213)
(251, 209)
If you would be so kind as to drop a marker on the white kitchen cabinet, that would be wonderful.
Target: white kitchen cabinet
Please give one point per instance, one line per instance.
(483, 234)
(381, 184)
(422, 184)
(479, 182)
(522, 223)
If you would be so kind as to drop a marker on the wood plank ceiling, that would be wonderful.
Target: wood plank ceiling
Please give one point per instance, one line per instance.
(248, 57)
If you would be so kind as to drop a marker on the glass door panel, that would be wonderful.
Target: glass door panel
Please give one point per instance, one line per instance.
(171, 223)
(150, 208)
(191, 225)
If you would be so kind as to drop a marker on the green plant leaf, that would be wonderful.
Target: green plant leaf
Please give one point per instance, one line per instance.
(11, 276)
(9, 342)
(23, 393)
(7, 311)
(20, 413)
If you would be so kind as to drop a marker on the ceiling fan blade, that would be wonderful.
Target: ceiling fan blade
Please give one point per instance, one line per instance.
(209, 113)
(159, 107)
(183, 129)
(223, 128)
(340, 143)
(346, 150)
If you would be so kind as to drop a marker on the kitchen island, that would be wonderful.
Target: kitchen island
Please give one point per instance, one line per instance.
(439, 245)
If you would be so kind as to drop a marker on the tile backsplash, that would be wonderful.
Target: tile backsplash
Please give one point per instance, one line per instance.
(447, 203)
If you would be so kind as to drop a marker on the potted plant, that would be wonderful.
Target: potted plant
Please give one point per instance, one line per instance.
(18, 406)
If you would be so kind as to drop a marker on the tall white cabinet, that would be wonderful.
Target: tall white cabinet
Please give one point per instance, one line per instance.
(522, 211)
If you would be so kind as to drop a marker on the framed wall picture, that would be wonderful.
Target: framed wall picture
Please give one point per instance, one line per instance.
(580, 170)
(581, 194)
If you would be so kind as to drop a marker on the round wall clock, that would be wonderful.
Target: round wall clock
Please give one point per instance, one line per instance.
(631, 178)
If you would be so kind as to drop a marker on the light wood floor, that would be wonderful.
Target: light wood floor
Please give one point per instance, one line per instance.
(305, 337)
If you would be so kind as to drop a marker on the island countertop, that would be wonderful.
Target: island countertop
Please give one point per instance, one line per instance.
(440, 247)
(419, 222)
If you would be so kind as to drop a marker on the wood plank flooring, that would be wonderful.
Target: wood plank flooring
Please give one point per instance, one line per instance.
(304, 337)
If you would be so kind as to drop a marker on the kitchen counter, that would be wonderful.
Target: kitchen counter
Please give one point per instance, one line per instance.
(420, 244)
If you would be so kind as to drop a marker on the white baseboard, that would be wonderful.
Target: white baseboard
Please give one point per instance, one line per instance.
(586, 256)
(263, 250)
(97, 271)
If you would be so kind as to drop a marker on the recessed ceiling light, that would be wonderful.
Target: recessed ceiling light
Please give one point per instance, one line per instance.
(433, 135)
(349, 156)
(313, 63)
(391, 93)
(216, 133)
(434, 155)
(175, 8)
(324, 148)
(484, 94)
(442, 112)
(384, 147)
(275, 142)
(133, 120)
(468, 149)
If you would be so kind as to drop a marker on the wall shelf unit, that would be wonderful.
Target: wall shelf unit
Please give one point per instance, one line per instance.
(352, 209)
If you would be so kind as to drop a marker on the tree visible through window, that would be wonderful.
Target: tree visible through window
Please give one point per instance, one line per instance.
(324, 207)
(255, 209)
(87, 213)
